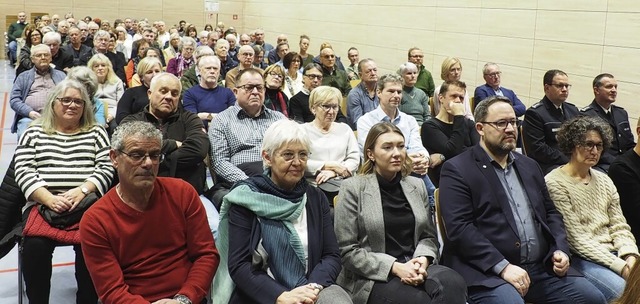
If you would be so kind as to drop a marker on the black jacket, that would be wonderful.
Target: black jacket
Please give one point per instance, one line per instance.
(11, 202)
(186, 162)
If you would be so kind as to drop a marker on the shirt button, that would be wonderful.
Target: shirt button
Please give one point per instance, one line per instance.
(518, 244)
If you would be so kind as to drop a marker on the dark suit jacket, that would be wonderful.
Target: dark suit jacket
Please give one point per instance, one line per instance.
(622, 133)
(485, 91)
(255, 285)
(539, 129)
(480, 227)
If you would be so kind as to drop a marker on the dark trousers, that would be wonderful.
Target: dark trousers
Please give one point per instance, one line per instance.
(37, 255)
(443, 285)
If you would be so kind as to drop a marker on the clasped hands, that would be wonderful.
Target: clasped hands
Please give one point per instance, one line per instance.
(413, 272)
(66, 201)
(519, 277)
(305, 294)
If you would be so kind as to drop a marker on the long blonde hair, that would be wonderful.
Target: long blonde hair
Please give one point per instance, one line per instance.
(48, 119)
(98, 58)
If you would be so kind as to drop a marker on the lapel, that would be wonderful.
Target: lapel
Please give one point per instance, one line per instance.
(417, 207)
(483, 163)
(596, 107)
(372, 213)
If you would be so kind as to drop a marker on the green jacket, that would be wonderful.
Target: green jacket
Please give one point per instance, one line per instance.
(337, 79)
(15, 30)
(425, 82)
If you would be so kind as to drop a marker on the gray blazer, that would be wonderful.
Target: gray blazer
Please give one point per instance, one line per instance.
(359, 226)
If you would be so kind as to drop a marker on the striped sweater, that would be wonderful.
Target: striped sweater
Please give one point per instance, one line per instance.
(592, 216)
(60, 162)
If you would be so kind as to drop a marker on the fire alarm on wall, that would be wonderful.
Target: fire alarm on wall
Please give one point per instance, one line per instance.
(235, 17)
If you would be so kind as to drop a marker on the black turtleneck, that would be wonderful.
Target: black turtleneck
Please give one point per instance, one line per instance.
(399, 221)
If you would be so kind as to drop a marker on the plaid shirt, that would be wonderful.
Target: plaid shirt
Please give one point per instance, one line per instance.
(236, 138)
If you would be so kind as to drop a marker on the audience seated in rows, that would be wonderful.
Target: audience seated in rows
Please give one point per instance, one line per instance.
(503, 233)
(184, 59)
(300, 110)
(414, 101)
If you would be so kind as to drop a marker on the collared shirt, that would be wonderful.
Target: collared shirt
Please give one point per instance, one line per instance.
(37, 96)
(498, 92)
(533, 245)
(406, 123)
(359, 102)
(353, 70)
(236, 138)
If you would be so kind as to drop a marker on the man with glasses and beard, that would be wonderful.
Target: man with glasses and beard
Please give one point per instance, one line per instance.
(503, 232)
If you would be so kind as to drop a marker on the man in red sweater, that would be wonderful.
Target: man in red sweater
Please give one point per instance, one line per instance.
(147, 240)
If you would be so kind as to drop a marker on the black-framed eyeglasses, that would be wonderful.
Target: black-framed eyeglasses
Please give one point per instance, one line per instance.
(503, 123)
(138, 158)
(589, 145)
(561, 85)
(289, 155)
(314, 76)
(250, 87)
(67, 101)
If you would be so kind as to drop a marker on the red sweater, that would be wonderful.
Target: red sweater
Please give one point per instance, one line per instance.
(141, 257)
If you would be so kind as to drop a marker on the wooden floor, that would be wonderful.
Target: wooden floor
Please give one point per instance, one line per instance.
(63, 280)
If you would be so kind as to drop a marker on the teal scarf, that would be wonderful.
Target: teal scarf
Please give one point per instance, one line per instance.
(276, 210)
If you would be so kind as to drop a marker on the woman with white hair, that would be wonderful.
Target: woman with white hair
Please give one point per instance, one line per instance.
(184, 60)
(415, 102)
(276, 241)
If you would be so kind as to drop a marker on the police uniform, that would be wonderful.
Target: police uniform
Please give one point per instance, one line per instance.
(618, 119)
(541, 124)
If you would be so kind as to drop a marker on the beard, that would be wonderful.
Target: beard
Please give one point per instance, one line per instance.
(501, 148)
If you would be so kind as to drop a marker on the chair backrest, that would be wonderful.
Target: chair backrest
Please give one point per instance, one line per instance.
(354, 83)
(343, 105)
(432, 107)
(524, 150)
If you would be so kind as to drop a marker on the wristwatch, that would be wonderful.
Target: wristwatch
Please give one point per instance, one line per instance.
(442, 158)
(85, 190)
(182, 299)
(210, 116)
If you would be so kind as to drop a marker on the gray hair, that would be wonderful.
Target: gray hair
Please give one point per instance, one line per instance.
(187, 41)
(203, 50)
(405, 67)
(86, 76)
(281, 133)
(52, 36)
(482, 109)
(39, 48)
(101, 33)
(136, 128)
(311, 66)
(388, 78)
(220, 42)
(207, 58)
(487, 65)
(87, 120)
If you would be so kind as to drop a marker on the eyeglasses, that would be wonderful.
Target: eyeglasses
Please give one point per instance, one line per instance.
(561, 85)
(250, 87)
(589, 145)
(138, 158)
(289, 156)
(327, 107)
(314, 76)
(274, 74)
(67, 101)
(502, 124)
(494, 74)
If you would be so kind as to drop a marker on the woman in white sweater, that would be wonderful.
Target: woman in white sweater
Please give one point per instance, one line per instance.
(604, 249)
(334, 148)
(110, 87)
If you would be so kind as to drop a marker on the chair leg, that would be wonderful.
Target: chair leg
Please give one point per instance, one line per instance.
(20, 281)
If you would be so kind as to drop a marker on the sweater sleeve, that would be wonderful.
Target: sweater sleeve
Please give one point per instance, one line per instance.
(623, 240)
(580, 235)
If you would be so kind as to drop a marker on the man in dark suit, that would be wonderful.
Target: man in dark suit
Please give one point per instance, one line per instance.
(492, 74)
(605, 89)
(503, 233)
(543, 119)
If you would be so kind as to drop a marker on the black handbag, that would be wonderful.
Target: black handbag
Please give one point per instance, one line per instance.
(67, 218)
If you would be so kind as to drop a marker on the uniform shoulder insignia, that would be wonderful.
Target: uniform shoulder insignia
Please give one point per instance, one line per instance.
(536, 105)
(585, 109)
(617, 107)
(570, 104)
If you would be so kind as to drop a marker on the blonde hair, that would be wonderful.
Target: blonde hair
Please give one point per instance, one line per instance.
(370, 143)
(146, 64)
(48, 119)
(446, 66)
(322, 94)
(277, 69)
(98, 58)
